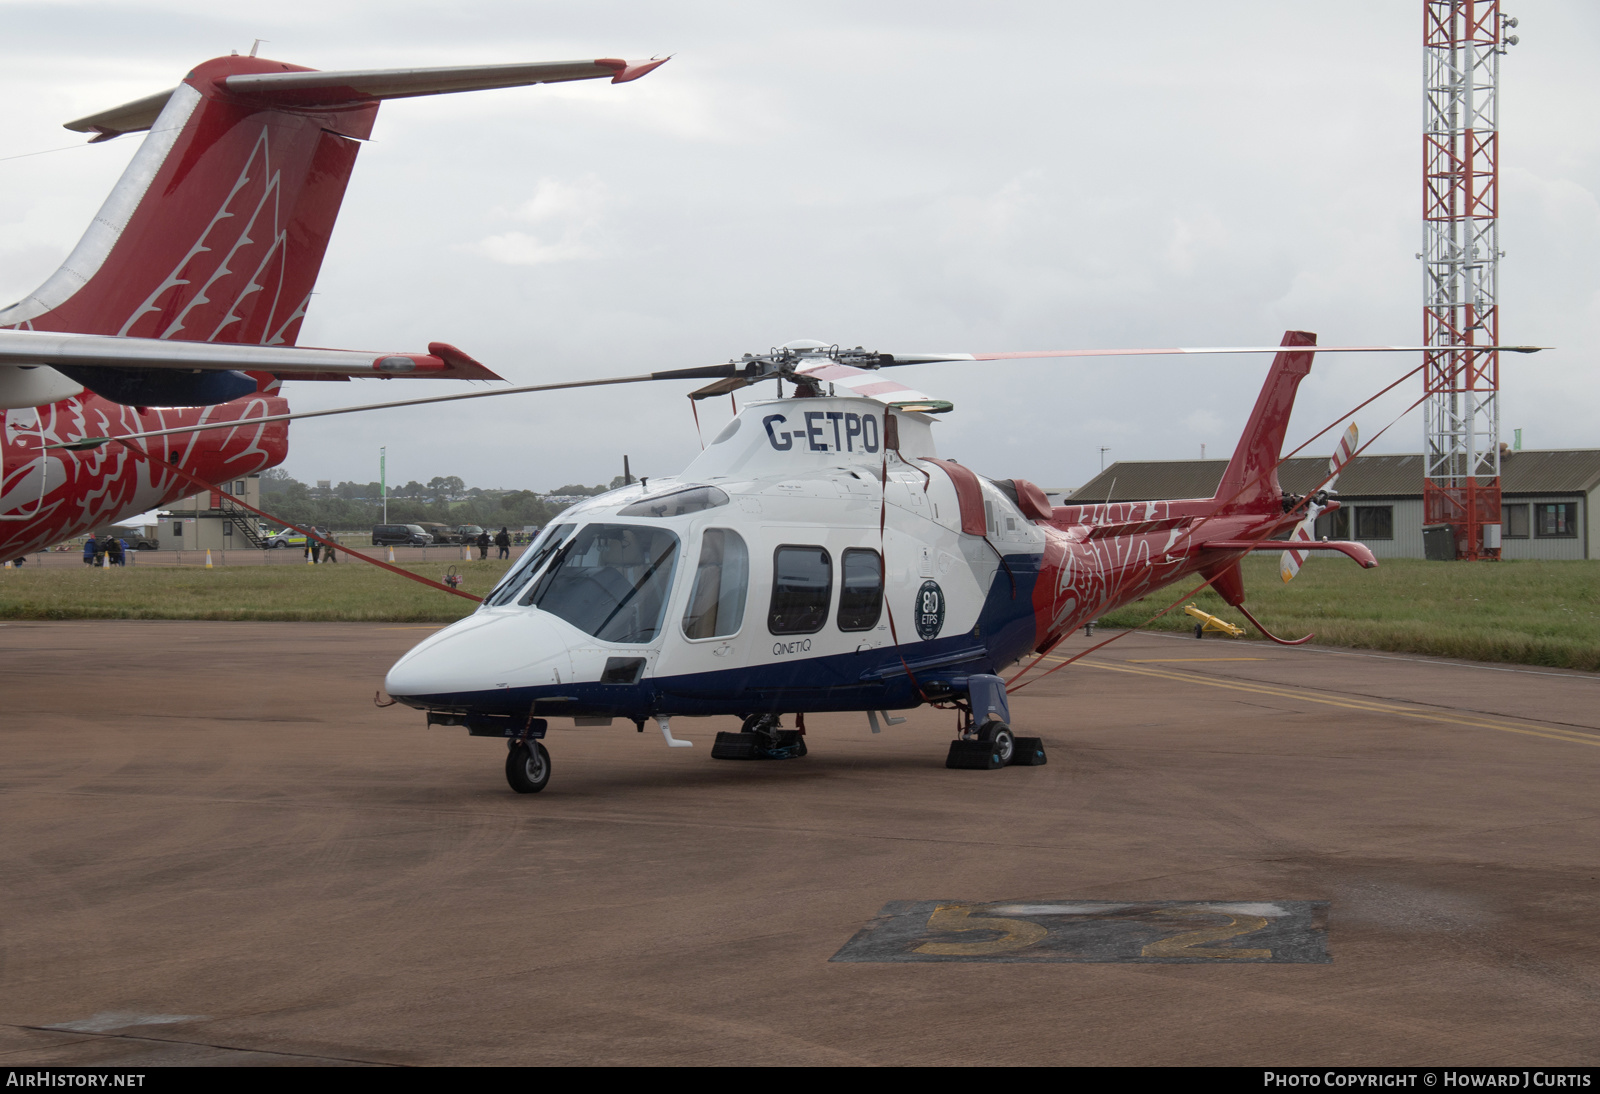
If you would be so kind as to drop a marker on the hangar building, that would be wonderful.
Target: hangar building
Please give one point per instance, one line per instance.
(1547, 507)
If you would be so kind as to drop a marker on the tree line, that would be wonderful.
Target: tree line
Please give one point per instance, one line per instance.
(352, 506)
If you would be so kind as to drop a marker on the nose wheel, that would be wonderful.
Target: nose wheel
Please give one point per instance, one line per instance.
(527, 767)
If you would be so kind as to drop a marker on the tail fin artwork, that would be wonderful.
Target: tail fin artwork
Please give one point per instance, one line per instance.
(1252, 476)
(217, 229)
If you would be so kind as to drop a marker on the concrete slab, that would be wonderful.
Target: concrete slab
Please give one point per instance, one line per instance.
(212, 819)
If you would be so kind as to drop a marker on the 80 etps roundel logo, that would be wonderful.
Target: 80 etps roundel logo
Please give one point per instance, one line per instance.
(929, 610)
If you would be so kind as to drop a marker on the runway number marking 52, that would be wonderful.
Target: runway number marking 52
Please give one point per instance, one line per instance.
(1136, 932)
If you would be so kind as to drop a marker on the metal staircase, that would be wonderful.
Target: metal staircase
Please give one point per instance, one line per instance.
(244, 521)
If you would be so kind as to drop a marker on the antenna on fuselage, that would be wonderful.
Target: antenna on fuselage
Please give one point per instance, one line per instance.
(256, 45)
(627, 476)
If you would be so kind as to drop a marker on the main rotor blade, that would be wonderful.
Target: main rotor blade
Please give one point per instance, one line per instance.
(671, 374)
(887, 360)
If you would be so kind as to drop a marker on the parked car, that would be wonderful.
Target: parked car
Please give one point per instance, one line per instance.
(468, 533)
(400, 535)
(136, 541)
(441, 533)
(287, 538)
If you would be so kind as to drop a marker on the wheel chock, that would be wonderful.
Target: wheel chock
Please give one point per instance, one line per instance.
(751, 746)
(1029, 753)
(974, 756)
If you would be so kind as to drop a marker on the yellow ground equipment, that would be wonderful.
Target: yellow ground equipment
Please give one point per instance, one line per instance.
(1209, 622)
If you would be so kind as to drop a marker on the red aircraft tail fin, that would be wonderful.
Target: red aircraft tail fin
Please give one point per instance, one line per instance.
(217, 229)
(1252, 475)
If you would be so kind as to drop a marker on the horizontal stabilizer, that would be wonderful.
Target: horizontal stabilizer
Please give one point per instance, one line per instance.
(27, 347)
(134, 117)
(334, 88)
(1360, 552)
(321, 89)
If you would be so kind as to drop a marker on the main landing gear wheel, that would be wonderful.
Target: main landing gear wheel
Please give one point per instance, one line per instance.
(999, 734)
(528, 768)
(994, 745)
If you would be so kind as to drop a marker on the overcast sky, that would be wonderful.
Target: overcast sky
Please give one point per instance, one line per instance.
(927, 176)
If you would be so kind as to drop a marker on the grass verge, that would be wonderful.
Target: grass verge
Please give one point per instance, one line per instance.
(1527, 613)
(1531, 613)
(344, 592)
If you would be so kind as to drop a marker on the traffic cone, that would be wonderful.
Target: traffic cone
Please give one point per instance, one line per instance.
(208, 558)
(391, 554)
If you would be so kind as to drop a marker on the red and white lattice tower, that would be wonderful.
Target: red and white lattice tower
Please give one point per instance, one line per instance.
(1463, 41)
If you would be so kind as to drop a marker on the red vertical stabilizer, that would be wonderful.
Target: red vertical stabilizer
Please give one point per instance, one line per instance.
(1252, 474)
(217, 229)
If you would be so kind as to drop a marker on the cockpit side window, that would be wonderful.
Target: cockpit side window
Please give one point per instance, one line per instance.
(610, 581)
(802, 586)
(538, 552)
(721, 579)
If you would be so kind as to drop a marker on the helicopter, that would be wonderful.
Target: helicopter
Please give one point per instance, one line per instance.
(605, 616)
(821, 556)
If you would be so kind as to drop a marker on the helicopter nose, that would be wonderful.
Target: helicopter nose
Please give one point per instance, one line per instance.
(488, 651)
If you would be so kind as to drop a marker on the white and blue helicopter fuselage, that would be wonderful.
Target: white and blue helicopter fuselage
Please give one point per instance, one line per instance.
(794, 566)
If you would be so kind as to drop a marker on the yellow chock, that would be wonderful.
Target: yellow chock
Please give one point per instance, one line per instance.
(208, 558)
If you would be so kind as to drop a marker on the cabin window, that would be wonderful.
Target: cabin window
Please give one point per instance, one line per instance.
(1514, 521)
(802, 586)
(610, 581)
(860, 590)
(1375, 522)
(716, 603)
(535, 556)
(1556, 519)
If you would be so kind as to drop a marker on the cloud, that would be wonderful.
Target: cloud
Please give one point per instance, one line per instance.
(570, 218)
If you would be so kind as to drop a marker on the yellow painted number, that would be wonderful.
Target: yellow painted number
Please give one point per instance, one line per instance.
(1017, 933)
(1187, 944)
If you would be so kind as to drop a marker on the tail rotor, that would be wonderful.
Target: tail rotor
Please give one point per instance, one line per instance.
(1289, 562)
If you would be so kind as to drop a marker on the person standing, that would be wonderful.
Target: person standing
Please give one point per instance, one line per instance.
(503, 541)
(483, 544)
(90, 549)
(113, 550)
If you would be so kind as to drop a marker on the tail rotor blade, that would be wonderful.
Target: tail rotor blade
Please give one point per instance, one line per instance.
(1289, 562)
(1341, 454)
